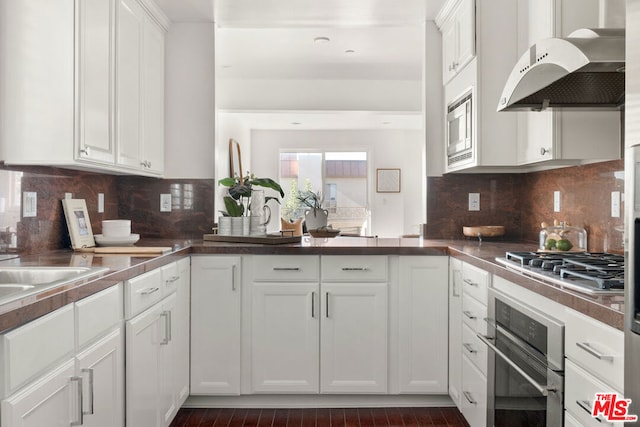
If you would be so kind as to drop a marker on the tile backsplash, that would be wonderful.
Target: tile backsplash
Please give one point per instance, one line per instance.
(521, 202)
(126, 197)
(517, 201)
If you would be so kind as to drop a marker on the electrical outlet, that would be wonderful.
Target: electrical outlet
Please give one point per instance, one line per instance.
(29, 204)
(100, 202)
(615, 204)
(556, 201)
(474, 201)
(165, 203)
(68, 195)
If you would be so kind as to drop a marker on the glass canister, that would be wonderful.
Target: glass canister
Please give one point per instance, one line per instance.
(562, 237)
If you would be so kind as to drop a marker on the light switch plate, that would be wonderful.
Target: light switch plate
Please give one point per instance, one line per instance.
(556, 201)
(165, 203)
(100, 202)
(68, 196)
(29, 204)
(474, 201)
(615, 204)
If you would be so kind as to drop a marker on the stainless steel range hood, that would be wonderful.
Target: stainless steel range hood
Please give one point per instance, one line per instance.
(582, 71)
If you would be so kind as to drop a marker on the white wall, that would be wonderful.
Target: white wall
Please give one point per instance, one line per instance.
(291, 94)
(393, 214)
(189, 101)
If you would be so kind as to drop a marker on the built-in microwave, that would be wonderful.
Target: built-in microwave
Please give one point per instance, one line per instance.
(460, 129)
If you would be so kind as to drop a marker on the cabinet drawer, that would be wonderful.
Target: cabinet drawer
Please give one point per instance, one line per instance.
(596, 347)
(32, 348)
(475, 282)
(142, 292)
(474, 395)
(579, 392)
(281, 268)
(170, 278)
(474, 313)
(98, 313)
(474, 349)
(354, 268)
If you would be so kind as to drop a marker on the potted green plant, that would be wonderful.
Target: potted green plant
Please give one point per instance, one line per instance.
(237, 202)
(315, 217)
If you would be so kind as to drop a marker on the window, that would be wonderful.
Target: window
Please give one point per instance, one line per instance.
(340, 177)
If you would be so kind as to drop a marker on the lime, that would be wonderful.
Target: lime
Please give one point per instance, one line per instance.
(563, 245)
(550, 244)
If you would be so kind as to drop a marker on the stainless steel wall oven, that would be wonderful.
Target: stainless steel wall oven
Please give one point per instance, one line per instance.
(526, 365)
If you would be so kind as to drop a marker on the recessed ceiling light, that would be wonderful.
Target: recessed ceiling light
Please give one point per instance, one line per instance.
(349, 51)
(386, 123)
(295, 123)
(322, 40)
(225, 66)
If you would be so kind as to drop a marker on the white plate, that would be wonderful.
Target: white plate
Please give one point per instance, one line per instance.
(116, 241)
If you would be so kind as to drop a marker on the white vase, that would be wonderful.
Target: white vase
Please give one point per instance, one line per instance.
(224, 225)
(237, 223)
(316, 218)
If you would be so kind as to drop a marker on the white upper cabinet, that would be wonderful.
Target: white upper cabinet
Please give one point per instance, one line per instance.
(563, 137)
(82, 84)
(458, 37)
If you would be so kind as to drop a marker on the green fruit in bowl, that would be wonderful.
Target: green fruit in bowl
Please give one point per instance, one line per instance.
(550, 244)
(564, 245)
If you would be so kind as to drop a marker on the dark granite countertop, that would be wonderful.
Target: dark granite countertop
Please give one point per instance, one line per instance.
(608, 309)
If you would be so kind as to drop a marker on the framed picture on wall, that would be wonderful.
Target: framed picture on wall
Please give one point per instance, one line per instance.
(387, 180)
(80, 232)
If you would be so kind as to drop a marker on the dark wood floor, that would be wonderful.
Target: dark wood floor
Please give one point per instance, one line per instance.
(365, 417)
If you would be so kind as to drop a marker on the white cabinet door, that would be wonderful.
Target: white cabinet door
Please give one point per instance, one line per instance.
(129, 119)
(423, 311)
(215, 325)
(102, 369)
(182, 331)
(455, 330)
(153, 98)
(95, 80)
(52, 401)
(285, 337)
(143, 336)
(354, 338)
(466, 30)
(449, 51)
(167, 355)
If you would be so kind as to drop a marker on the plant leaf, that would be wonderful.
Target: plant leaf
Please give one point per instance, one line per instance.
(227, 182)
(268, 183)
(233, 207)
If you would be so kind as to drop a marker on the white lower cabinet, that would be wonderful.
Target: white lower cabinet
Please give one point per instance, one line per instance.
(474, 394)
(85, 389)
(215, 325)
(154, 352)
(423, 311)
(455, 331)
(285, 337)
(353, 336)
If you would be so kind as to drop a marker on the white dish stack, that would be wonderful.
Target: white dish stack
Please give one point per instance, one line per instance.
(116, 232)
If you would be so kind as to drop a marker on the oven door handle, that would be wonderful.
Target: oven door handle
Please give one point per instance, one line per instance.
(542, 389)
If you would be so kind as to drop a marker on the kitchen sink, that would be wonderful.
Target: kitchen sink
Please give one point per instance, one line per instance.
(17, 282)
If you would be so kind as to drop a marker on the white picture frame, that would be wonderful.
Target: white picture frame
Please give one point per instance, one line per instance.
(78, 222)
(388, 180)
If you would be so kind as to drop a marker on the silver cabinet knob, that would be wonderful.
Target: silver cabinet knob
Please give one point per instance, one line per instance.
(544, 151)
(86, 151)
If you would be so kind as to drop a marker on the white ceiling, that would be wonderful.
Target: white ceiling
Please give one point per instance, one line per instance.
(275, 39)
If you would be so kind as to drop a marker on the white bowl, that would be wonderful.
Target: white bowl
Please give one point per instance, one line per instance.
(116, 228)
(103, 240)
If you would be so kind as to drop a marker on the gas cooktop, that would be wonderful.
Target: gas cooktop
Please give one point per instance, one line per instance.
(589, 272)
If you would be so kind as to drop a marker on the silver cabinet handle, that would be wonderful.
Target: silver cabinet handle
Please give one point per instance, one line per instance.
(469, 347)
(313, 305)
(233, 277)
(454, 283)
(80, 419)
(167, 327)
(469, 314)
(286, 268)
(542, 389)
(469, 398)
(586, 406)
(91, 396)
(469, 282)
(544, 151)
(589, 349)
(173, 279)
(148, 291)
(355, 268)
(326, 300)
(86, 151)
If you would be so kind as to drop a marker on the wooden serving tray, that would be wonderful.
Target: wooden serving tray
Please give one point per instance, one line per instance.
(126, 249)
(269, 239)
